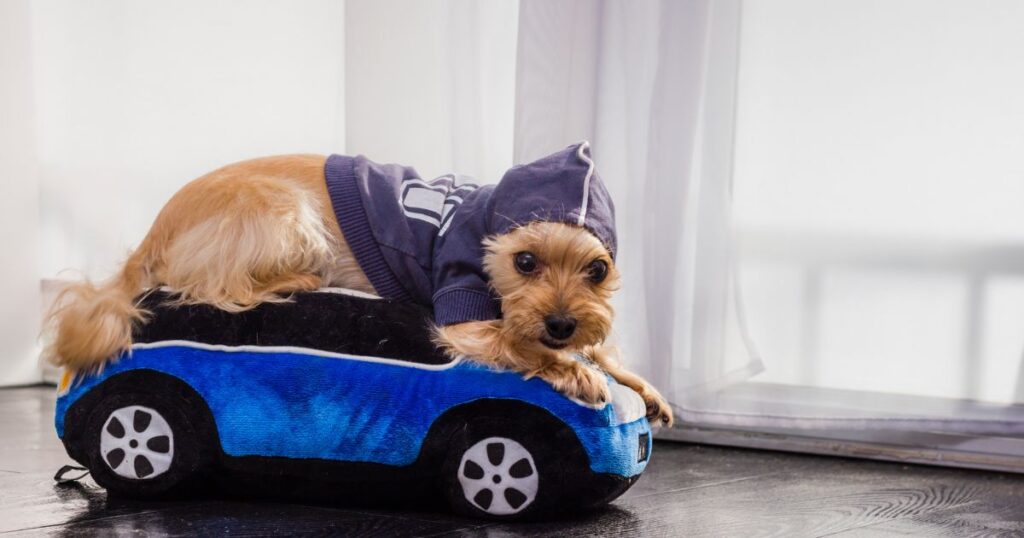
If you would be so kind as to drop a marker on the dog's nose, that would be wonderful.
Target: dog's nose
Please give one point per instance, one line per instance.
(560, 327)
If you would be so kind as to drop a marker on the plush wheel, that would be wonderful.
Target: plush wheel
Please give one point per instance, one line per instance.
(516, 465)
(498, 476)
(137, 442)
(145, 444)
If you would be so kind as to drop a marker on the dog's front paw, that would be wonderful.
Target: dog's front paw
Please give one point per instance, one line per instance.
(658, 409)
(579, 381)
(590, 385)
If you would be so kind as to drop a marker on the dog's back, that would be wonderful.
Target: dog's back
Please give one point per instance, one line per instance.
(242, 235)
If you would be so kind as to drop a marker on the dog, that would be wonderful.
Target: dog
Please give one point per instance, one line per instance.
(520, 275)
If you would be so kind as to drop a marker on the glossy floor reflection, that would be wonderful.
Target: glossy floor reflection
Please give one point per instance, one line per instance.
(688, 490)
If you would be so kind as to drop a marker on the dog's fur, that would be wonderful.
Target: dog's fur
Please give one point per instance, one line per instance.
(256, 231)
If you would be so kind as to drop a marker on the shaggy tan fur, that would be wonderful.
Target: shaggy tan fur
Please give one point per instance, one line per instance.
(259, 230)
(248, 233)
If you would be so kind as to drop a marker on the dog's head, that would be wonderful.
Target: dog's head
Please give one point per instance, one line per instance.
(555, 281)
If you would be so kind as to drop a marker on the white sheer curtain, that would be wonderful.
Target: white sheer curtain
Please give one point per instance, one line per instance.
(876, 190)
(656, 87)
(652, 85)
(432, 84)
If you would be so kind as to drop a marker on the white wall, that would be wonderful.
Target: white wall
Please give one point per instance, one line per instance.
(19, 202)
(135, 98)
(110, 107)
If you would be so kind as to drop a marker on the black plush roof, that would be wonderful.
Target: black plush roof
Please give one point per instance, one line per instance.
(326, 321)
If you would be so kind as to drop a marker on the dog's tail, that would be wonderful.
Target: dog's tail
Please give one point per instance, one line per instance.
(91, 324)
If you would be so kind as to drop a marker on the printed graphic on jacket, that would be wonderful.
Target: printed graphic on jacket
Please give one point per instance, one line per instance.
(434, 202)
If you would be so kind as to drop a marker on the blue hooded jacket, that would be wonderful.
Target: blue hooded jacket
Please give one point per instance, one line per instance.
(422, 241)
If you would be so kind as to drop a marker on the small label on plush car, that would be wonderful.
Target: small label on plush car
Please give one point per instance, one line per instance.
(641, 452)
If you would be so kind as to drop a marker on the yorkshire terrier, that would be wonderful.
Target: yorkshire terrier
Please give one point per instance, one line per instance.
(520, 275)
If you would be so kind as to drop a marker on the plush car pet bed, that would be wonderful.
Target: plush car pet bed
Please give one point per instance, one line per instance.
(342, 398)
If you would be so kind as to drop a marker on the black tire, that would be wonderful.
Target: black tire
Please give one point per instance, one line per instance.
(148, 438)
(520, 464)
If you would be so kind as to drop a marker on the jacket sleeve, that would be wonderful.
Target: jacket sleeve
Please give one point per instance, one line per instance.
(465, 301)
(462, 293)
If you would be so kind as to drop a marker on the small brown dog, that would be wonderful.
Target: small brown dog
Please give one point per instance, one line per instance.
(520, 293)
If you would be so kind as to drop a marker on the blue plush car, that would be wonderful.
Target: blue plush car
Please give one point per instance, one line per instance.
(339, 397)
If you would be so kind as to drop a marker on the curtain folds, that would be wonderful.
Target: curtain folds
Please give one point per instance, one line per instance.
(652, 85)
(436, 90)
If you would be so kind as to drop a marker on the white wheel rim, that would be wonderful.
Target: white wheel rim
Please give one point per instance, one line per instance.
(498, 476)
(137, 442)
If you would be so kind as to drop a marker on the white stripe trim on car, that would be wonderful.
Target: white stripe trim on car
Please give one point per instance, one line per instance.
(336, 291)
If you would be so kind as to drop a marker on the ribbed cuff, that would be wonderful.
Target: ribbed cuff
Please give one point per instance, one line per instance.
(347, 202)
(458, 305)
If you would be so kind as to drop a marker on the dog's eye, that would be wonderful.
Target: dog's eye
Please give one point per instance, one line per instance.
(526, 263)
(597, 271)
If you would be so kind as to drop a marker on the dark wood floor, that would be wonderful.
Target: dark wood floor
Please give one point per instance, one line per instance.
(688, 490)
